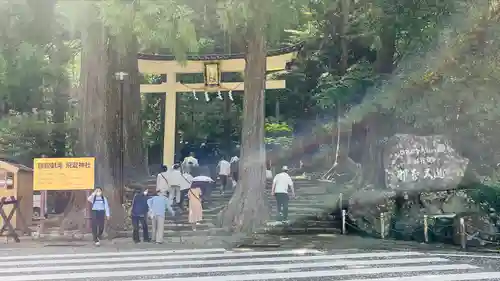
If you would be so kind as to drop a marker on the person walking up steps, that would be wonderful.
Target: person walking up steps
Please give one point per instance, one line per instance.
(157, 206)
(183, 180)
(224, 169)
(206, 184)
(100, 212)
(195, 199)
(161, 180)
(177, 182)
(235, 166)
(281, 183)
(189, 163)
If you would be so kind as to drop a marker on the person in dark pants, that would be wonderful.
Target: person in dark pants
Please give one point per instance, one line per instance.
(182, 179)
(206, 184)
(235, 163)
(139, 215)
(100, 212)
(224, 168)
(282, 182)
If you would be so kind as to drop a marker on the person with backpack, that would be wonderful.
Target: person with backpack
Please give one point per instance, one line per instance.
(139, 215)
(100, 212)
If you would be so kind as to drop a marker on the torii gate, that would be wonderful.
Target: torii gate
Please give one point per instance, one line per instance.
(212, 67)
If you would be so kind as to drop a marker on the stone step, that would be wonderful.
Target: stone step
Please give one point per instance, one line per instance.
(205, 223)
(299, 230)
(184, 227)
(304, 207)
(301, 210)
(190, 232)
(315, 203)
(311, 223)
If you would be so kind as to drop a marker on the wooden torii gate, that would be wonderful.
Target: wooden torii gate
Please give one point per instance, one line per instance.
(212, 67)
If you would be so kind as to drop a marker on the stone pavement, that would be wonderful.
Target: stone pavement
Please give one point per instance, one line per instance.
(201, 264)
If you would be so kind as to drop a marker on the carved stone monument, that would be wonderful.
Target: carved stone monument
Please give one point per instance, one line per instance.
(422, 163)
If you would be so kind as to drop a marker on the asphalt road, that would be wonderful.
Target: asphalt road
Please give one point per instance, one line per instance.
(219, 264)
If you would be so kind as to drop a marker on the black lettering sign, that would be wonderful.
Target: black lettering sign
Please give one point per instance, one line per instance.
(54, 165)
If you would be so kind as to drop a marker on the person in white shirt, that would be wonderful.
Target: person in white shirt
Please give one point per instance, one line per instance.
(161, 180)
(185, 185)
(189, 163)
(235, 162)
(282, 182)
(224, 169)
(177, 182)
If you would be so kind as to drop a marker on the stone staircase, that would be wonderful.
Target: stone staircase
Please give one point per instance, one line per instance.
(306, 213)
(310, 212)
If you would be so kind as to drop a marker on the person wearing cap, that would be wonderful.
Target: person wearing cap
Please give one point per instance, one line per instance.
(282, 182)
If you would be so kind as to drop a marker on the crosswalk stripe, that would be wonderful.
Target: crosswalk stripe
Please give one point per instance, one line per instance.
(323, 273)
(110, 254)
(223, 265)
(445, 277)
(331, 273)
(149, 258)
(276, 267)
(227, 261)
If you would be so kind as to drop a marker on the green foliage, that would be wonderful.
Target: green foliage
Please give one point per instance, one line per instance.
(34, 59)
(152, 121)
(27, 135)
(278, 135)
(158, 25)
(345, 89)
(488, 196)
(278, 128)
(236, 16)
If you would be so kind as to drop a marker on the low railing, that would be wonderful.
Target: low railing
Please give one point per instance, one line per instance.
(463, 227)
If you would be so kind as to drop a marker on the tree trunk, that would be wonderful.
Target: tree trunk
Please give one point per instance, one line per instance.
(277, 109)
(249, 207)
(372, 161)
(125, 60)
(98, 109)
(344, 60)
